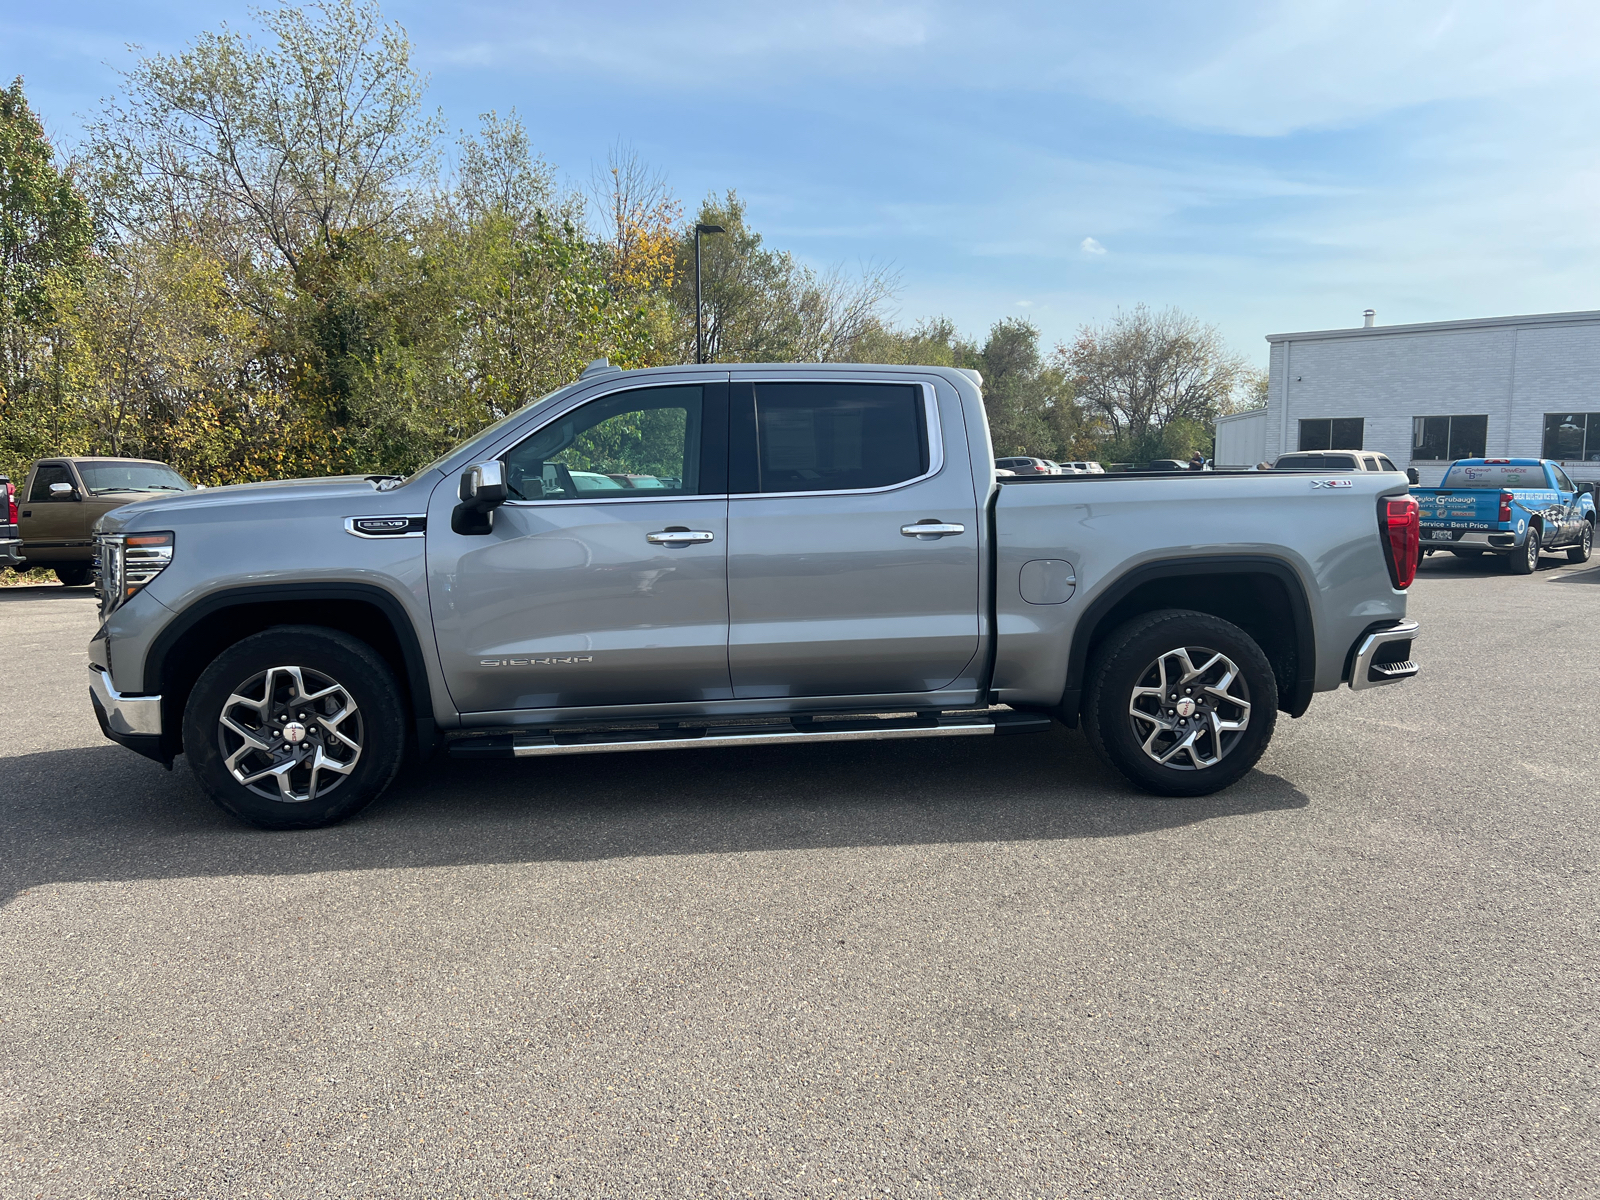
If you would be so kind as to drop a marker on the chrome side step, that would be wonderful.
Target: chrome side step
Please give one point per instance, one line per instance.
(538, 745)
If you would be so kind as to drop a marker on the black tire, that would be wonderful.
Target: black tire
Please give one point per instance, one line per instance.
(74, 576)
(1525, 559)
(265, 673)
(1131, 658)
(1467, 553)
(1585, 547)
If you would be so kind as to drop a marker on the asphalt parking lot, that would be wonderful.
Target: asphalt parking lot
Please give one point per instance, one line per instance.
(961, 969)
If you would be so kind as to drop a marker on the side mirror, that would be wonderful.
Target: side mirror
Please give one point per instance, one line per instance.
(61, 491)
(1413, 477)
(483, 489)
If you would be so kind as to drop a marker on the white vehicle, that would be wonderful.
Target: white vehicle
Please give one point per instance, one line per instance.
(1084, 468)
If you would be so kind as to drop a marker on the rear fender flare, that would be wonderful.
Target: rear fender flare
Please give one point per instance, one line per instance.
(1294, 699)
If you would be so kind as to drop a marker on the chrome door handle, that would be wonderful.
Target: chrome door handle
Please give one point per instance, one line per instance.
(679, 537)
(931, 529)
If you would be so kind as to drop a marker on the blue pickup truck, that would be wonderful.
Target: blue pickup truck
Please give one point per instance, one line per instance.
(1518, 507)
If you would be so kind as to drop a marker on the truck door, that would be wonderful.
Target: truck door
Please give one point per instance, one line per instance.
(604, 578)
(1568, 501)
(53, 524)
(831, 590)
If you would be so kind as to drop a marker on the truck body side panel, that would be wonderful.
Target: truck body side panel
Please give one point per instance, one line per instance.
(1106, 526)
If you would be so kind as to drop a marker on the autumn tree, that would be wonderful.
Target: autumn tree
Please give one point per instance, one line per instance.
(1149, 375)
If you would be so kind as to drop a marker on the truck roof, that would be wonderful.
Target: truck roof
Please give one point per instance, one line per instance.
(1500, 462)
(78, 458)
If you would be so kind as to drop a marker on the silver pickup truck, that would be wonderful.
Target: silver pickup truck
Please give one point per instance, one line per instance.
(692, 557)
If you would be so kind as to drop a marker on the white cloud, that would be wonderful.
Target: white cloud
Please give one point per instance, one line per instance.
(1091, 247)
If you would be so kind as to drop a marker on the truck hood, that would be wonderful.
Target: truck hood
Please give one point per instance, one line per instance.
(335, 492)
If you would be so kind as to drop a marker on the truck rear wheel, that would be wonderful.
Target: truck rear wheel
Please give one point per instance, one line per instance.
(1182, 703)
(1585, 547)
(1525, 559)
(295, 727)
(74, 576)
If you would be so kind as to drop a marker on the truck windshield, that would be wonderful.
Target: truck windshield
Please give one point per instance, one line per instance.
(131, 477)
(1493, 476)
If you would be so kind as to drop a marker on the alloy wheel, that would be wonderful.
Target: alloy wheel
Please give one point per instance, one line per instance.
(290, 734)
(1190, 707)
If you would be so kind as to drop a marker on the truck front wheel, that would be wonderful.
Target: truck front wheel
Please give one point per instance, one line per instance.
(1180, 702)
(295, 727)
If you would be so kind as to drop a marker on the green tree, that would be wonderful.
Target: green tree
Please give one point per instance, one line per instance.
(45, 238)
(760, 305)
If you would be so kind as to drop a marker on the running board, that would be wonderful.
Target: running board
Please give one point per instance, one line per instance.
(538, 745)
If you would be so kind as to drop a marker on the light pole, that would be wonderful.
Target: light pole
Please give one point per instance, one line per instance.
(699, 329)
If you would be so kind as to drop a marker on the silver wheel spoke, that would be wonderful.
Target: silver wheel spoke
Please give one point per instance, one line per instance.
(279, 740)
(1189, 708)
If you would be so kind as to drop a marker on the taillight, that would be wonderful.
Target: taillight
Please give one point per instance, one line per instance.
(11, 503)
(1400, 527)
(1505, 506)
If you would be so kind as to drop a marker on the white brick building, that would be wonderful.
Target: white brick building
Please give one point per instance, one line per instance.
(1507, 387)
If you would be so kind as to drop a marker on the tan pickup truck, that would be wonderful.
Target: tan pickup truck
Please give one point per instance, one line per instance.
(64, 497)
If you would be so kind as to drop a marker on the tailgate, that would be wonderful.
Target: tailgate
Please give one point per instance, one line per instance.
(1466, 508)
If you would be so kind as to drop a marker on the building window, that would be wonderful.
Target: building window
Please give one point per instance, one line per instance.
(1335, 433)
(1445, 439)
(1572, 436)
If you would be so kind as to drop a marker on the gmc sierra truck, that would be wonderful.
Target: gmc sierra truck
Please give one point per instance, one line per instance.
(697, 557)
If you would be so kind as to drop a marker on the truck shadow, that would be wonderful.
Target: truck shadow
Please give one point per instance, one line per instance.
(20, 592)
(100, 813)
(1445, 566)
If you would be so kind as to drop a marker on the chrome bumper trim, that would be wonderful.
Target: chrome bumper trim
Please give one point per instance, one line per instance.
(1473, 538)
(1365, 674)
(132, 715)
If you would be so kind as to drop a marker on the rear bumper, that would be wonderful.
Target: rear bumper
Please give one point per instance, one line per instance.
(1383, 656)
(1490, 540)
(131, 721)
(10, 551)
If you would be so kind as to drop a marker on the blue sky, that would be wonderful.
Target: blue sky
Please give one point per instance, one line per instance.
(1267, 166)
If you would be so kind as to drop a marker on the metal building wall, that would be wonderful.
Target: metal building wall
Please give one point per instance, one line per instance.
(1513, 369)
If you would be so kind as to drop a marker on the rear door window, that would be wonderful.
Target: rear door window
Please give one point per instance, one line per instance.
(828, 437)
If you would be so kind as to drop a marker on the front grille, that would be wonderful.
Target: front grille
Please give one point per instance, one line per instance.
(108, 571)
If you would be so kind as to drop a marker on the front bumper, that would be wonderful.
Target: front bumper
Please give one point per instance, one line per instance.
(1383, 656)
(131, 721)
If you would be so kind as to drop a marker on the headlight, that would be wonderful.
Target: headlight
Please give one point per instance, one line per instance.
(128, 561)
